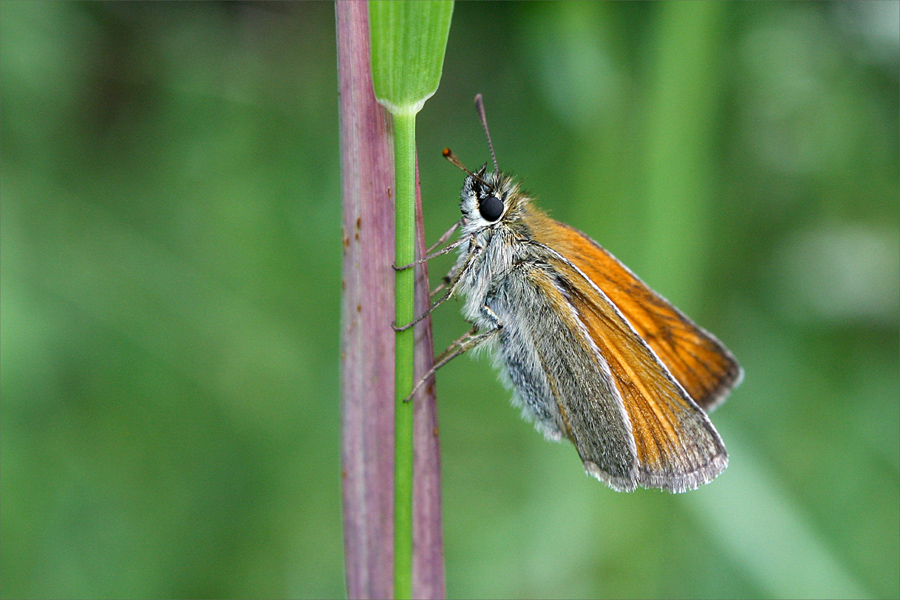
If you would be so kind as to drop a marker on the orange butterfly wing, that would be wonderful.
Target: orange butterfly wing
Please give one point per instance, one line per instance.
(677, 448)
(700, 363)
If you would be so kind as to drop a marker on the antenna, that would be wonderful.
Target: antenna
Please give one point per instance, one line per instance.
(448, 154)
(479, 105)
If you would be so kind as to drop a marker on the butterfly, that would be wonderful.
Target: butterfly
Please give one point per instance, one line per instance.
(590, 351)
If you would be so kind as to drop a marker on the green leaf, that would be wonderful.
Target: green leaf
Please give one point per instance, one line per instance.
(408, 43)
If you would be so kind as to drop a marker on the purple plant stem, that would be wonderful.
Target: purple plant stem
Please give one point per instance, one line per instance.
(367, 309)
(367, 341)
(428, 540)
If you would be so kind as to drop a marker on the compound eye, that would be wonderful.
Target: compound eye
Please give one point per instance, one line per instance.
(491, 208)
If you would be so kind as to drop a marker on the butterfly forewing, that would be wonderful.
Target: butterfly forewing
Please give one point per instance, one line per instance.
(677, 447)
(700, 363)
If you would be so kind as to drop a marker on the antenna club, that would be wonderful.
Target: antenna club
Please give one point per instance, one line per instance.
(455, 161)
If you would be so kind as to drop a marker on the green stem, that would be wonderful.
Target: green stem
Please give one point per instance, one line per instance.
(405, 182)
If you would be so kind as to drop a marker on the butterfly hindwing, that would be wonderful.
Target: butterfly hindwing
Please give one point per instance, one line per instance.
(560, 381)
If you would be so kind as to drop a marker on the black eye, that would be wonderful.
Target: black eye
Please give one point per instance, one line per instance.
(490, 207)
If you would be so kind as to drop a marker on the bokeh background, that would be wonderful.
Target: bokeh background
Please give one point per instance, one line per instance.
(171, 254)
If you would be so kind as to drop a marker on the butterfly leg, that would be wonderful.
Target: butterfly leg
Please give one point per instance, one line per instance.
(452, 288)
(446, 280)
(471, 339)
(444, 237)
(446, 250)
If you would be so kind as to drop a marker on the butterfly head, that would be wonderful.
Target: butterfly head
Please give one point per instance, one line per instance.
(487, 198)
(490, 200)
(484, 201)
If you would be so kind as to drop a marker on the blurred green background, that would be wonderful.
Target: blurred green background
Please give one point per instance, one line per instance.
(171, 257)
